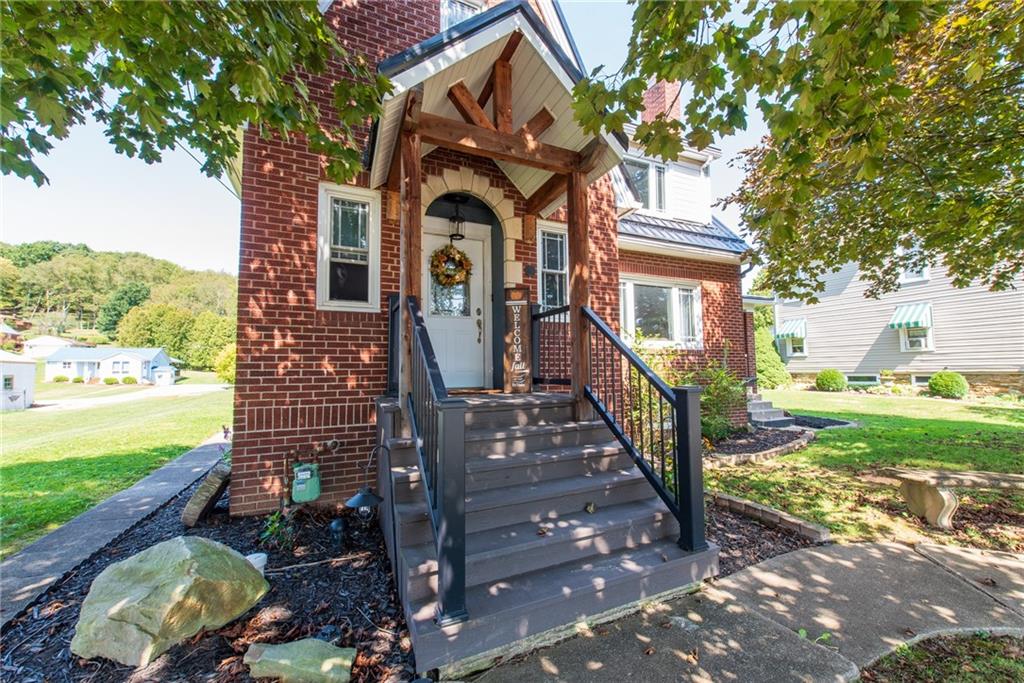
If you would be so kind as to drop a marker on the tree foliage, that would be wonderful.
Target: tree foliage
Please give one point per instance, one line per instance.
(125, 298)
(200, 291)
(160, 74)
(207, 337)
(895, 128)
(10, 284)
(157, 325)
(771, 371)
(30, 253)
(224, 363)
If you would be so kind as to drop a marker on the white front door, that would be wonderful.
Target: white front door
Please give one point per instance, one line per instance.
(457, 316)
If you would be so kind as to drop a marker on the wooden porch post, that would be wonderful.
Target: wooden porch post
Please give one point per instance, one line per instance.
(579, 288)
(412, 258)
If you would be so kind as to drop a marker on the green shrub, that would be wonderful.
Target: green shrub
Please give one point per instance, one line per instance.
(771, 371)
(948, 384)
(110, 380)
(129, 380)
(60, 378)
(77, 380)
(830, 379)
(723, 393)
(224, 364)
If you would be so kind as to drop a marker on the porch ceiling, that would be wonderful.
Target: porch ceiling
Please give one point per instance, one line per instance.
(542, 77)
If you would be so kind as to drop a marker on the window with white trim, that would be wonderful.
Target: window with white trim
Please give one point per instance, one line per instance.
(650, 185)
(662, 312)
(920, 274)
(8, 382)
(862, 379)
(66, 365)
(348, 249)
(554, 268)
(915, 339)
(455, 11)
(920, 380)
(796, 347)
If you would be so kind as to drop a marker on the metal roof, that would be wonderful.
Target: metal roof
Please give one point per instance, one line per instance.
(714, 235)
(101, 353)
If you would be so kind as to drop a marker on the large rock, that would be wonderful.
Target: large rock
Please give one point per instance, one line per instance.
(302, 661)
(138, 608)
(206, 494)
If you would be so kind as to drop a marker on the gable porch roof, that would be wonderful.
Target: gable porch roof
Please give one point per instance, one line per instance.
(543, 78)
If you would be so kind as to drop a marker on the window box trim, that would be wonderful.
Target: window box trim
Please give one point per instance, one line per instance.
(627, 303)
(652, 185)
(327, 192)
(789, 349)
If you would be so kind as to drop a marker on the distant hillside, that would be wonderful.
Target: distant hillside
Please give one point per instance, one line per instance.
(58, 286)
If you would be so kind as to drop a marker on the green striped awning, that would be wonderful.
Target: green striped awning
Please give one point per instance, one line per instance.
(911, 315)
(792, 329)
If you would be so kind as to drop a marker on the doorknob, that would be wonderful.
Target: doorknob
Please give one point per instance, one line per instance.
(479, 331)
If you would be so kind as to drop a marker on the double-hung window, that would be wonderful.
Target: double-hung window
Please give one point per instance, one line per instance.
(348, 246)
(455, 11)
(554, 268)
(649, 180)
(916, 339)
(662, 312)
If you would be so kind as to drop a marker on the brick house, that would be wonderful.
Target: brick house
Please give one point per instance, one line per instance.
(347, 333)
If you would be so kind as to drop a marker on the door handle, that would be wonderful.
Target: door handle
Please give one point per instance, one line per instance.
(479, 331)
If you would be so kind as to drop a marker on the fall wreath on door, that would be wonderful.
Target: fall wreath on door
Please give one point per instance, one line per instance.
(450, 266)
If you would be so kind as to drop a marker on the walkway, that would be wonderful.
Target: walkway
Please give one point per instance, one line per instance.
(858, 601)
(29, 572)
(131, 397)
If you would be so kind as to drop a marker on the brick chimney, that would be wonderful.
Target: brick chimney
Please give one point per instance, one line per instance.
(662, 97)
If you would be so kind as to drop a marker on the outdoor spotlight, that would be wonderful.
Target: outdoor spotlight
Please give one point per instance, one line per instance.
(337, 530)
(366, 502)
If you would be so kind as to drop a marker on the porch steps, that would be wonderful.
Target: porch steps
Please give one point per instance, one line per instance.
(529, 467)
(762, 413)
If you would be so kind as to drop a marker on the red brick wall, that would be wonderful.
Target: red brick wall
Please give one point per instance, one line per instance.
(305, 375)
(725, 324)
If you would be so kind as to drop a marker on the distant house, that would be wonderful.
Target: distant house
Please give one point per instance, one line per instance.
(19, 381)
(925, 326)
(41, 347)
(8, 333)
(145, 365)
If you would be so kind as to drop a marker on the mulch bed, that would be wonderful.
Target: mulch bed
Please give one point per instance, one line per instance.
(754, 442)
(815, 422)
(351, 602)
(743, 541)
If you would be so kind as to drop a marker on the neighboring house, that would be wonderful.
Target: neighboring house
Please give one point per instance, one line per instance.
(925, 326)
(19, 381)
(8, 333)
(346, 332)
(41, 347)
(96, 364)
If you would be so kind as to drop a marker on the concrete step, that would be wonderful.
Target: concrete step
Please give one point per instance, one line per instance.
(759, 405)
(753, 397)
(521, 439)
(518, 548)
(513, 469)
(769, 414)
(535, 502)
(509, 610)
(501, 411)
(776, 423)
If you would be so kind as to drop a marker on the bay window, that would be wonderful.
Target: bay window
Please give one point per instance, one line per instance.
(662, 312)
(348, 246)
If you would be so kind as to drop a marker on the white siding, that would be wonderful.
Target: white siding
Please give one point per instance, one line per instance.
(22, 393)
(974, 330)
(689, 192)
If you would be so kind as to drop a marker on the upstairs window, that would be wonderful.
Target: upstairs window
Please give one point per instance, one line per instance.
(554, 269)
(913, 274)
(348, 273)
(662, 312)
(456, 11)
(649, 181)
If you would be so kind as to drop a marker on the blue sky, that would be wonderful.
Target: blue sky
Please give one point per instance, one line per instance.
(171, 210)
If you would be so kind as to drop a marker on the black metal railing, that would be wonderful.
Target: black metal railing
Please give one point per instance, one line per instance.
(394, 341)
(438, 425)
(659, 426)
(552, 346)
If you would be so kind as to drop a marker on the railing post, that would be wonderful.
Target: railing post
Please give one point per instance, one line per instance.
(394, 342)
(535, 341)
(451, 529)
(689, 468)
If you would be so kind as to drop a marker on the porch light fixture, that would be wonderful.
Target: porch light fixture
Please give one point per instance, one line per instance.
(456, 223)
(365, 502)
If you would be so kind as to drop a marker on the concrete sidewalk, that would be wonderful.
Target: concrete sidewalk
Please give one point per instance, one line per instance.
(868, 598)
(28, 573)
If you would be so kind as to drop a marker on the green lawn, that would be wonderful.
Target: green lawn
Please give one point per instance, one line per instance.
(53, 391)
(57, 464)
(836, 480)
(952, 659)
(198, 377)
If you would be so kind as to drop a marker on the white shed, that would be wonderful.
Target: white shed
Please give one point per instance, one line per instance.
(19, 381)
(41, 347)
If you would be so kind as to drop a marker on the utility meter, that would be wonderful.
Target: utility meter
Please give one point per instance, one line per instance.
(305, 482)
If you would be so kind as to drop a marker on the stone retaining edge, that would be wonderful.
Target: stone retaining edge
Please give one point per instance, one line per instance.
(770, 516)
(712, 461)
